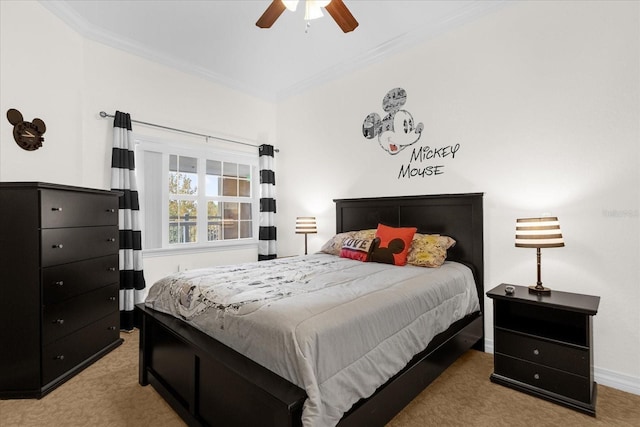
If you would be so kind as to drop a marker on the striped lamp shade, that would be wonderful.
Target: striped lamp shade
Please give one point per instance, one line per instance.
(538, 233)
(306, 225)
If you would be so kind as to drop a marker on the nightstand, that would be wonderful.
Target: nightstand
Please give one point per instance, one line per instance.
(543, 345)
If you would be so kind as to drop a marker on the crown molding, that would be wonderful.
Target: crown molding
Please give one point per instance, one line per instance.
(372, 56)
(394, 46)
(80, 25)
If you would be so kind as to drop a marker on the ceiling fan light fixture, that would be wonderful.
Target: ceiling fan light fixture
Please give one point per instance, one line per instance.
(291, 5)
(313, 10)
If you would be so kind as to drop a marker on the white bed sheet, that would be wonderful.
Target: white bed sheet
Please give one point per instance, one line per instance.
(337, 328)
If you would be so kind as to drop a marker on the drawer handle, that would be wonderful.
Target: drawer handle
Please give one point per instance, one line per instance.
(60, 283)
(59, 321)
(56, 209)
(111, 269)
(60, 357)
(112, 298)
(111, 210)
(536, 376)
(111, 328)
(57, 246)
(536, 352)
(111, 239)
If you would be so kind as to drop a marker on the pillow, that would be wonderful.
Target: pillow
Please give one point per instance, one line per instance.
(334, 245)
(394, 244)
(358, 249)
(429, 250)
(369, 234)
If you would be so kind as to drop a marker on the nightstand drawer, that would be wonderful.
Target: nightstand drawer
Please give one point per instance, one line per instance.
(68, 316)
(72, 209)
(554, 355)
(559, 382)
(63, 245)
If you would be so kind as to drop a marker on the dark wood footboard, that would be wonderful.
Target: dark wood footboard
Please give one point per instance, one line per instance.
(208, 383)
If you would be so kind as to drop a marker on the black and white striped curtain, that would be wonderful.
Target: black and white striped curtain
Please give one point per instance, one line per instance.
(267, 232)
(123, 179)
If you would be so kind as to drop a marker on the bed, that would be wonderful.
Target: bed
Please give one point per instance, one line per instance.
(209, 383)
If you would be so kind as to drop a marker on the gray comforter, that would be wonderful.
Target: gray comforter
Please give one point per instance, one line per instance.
(336, 327)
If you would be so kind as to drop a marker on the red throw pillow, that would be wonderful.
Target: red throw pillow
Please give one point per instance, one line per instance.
(394, 244)
(358, 249)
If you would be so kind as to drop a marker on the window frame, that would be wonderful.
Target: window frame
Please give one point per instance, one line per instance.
(202, 152)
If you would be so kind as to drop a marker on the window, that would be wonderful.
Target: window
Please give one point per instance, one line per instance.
(196, 196)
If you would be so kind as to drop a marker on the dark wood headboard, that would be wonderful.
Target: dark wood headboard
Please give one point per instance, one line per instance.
(456, 215)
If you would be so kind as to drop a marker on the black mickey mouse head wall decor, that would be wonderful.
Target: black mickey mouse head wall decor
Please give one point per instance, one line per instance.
(28, 135)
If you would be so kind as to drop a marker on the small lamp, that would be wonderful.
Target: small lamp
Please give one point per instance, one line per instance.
(306, 225)
(538, 233)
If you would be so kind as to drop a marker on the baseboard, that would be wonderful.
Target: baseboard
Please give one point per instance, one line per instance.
(602, 376)
(617, 380)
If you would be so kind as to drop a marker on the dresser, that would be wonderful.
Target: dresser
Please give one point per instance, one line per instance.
(543, 345)
(59, 283)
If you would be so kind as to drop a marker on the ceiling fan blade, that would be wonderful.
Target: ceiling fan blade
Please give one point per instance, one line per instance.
(339, 12)
(270, 15)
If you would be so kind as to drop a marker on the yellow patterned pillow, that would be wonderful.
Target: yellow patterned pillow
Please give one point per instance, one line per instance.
(334, 245)
(365, 234)
(429, 250)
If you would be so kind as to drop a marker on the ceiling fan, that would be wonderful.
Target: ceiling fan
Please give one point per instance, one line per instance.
(336, 8)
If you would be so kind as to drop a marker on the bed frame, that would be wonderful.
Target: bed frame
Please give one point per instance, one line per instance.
(208, 383)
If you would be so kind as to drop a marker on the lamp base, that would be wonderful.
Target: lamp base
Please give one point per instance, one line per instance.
(539, 290)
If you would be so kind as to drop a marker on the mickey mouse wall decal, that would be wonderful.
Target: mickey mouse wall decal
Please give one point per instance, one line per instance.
(396, 130)
(28, 135)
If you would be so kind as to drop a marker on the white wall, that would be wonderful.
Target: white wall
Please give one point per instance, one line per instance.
(41, 76)
(66, 80)
(543, 99)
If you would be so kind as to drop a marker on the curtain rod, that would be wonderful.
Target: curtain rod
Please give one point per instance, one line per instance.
(104, 115)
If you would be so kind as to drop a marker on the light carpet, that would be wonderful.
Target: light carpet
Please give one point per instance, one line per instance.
(107, 393)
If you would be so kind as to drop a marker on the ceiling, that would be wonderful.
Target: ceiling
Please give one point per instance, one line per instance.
(219, 40)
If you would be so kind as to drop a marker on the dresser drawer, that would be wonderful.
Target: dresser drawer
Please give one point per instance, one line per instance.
(68, 280)
(554, 355)
(70, 315)
(64, 245)
(61, 208)
(65, 354)
(549, 379)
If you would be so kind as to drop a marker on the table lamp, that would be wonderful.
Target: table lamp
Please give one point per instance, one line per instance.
(306, 225)
(538, 233)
